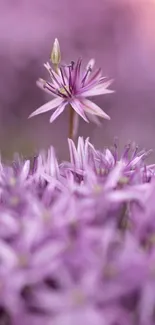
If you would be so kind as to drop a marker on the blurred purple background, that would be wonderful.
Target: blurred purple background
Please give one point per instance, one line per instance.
(120, 34)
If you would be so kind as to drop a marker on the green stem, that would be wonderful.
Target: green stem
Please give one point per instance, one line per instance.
(71, 122)
(56, 67)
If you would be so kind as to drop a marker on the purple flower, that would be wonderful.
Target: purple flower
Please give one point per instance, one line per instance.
(103, 162)
(76, 245)
(71, 86)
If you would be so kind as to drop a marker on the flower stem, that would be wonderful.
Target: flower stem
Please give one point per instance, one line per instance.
(56, 68)
(71, 122)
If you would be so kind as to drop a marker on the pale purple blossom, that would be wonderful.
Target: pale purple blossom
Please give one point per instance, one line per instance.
(77, 245)
(102, 162)
(70, 86)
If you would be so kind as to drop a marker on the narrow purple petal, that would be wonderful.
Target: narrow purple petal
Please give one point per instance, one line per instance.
(58, 111)
(72, 152)
(63, 76)
(54, 76)
(90, 64)
(88, 71)
(92, 108)
(95, 77)
(100, 89)
(47, 252)
(47, 107)
(79, 109)
(93, 118)
(114, 176)
(76, 73)
(93, 85)
(47, 87)
(25, 171)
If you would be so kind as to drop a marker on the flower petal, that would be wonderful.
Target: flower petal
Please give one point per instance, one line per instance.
(47, 107)
(58, 111)
(100, 89)
(79, 109)
(76, 73)
(90, 64)
(93, 118)
(87, 72)
(73, 152)
(48, 88)
(92, 108)
(95, 77)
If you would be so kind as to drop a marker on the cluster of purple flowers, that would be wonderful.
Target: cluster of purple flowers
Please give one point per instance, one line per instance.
(77, 239)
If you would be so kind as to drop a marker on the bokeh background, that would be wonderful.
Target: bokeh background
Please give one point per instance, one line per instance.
(120, 34)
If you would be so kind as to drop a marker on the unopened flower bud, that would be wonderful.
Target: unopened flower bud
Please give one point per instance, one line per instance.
(56, 54)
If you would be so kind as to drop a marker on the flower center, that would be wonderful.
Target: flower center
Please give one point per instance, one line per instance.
(12, 181)
(14, 200)
(109, 272)
(78, 297)
(23, 260)
(65, 91)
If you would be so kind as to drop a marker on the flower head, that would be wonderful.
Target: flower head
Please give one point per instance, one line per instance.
(85, 156)
(71, 86)
(76, 247)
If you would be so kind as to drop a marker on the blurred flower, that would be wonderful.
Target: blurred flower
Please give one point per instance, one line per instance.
(70, 86)
(77, 246)
(102, 162)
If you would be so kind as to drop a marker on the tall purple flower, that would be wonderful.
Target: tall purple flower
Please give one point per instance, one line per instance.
(71, 86)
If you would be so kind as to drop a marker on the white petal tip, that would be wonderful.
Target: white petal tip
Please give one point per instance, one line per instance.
(40, 80)
(109, 91)
(106, 117)
(41, 83)
(31, 115)
(91, 63)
